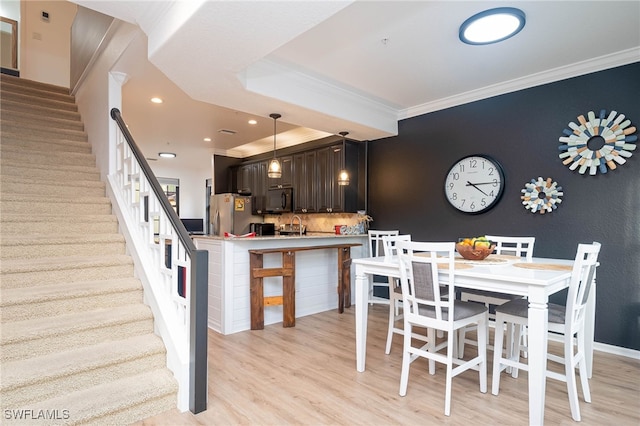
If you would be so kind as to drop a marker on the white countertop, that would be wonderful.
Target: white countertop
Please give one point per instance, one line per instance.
(308, 235)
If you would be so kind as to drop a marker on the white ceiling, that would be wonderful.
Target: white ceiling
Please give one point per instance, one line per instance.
(331, 66)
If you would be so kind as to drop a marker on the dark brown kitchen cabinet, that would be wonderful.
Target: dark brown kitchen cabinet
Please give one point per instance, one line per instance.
(253, 178)
(304, 182)
(313, 175)
(330, 195)
(286, 181)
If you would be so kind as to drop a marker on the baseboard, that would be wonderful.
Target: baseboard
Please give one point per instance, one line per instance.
(610, 349)
(10, 71)
(616, 350)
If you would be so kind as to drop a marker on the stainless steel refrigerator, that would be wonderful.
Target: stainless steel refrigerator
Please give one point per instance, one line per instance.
(231, 213)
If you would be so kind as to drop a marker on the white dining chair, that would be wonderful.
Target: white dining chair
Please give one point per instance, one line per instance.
(376, 248)
(427, 305)
(395, 292)
(568, 320)
(513, 246)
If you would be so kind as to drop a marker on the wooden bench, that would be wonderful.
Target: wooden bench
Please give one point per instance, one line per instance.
(288, 273)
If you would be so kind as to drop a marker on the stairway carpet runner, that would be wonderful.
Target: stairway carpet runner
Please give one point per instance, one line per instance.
(77, 344)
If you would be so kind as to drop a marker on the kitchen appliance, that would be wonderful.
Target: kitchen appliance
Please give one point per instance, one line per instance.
(231, 213)
(279, 200)
(263, 229)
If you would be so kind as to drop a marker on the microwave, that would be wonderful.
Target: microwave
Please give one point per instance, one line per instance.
(279, 200)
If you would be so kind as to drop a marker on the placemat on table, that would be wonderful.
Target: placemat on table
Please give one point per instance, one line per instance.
(459, 265)
(544, 266)
(492, 259)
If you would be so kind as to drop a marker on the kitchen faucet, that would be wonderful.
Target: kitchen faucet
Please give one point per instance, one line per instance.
(299, 223)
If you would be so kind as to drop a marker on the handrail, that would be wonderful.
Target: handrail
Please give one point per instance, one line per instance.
(198, 280)
(155, 185)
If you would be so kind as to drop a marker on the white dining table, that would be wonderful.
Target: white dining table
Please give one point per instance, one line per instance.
(505, 276)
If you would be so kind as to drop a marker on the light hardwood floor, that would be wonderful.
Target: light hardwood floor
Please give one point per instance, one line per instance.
(306, 375)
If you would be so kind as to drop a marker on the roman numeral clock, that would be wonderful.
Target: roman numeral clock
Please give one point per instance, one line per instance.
(474, 184)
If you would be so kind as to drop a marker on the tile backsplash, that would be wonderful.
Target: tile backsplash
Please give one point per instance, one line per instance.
(317, 222)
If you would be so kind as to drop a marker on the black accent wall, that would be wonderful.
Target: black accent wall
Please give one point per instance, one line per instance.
(521, 131)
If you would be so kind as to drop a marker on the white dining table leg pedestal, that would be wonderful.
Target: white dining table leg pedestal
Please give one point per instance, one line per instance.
(362, 310)
(537, 347)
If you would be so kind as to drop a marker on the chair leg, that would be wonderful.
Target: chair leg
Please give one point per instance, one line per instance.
(461, 336)
(582, 368)
(406, 359)
(570, 374)
(497, 355)
(392, 321)
(431, 346)
(514, 350)
(447, 394)
(483, 333)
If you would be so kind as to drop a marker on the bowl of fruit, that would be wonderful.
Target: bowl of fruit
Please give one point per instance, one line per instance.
(476, 248)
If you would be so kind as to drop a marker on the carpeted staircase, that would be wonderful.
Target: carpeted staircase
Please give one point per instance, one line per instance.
(77, 342)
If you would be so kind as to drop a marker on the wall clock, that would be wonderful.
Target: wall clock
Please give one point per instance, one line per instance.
(474, 184)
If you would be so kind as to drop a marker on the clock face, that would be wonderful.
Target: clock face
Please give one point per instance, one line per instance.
(474, 184)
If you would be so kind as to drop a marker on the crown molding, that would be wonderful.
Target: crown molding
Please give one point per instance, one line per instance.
(613, 60)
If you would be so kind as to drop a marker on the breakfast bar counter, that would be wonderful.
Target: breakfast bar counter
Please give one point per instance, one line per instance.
(316, 275)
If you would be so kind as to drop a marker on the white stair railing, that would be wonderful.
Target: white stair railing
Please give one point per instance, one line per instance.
(173, 272)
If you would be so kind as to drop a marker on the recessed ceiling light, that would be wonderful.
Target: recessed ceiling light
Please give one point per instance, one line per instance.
(253, 122)
(156, 100)
(492, 26)
(207, 139)
(167, 154)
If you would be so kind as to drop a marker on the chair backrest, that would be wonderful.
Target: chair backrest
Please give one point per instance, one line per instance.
(376, 247)
(515, 246)
(421, 285)
(389, 243)
(582, 275)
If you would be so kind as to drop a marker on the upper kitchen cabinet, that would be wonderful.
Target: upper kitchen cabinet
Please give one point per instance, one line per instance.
(330, 195)
(253, 178)
(312, 171)
(304, 182)
(286, 181)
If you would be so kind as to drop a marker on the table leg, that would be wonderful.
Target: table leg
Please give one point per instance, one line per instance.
(537, 347)
(362, 311)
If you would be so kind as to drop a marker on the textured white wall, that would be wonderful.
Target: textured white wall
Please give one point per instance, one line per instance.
(45, 46)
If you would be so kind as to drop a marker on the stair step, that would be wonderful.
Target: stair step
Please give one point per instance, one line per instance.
(20, 273)
(38, 378)
(33, 119)
(41, 336)
(37, 172)
(40, 92)
(11, 224)
(6, 81)
(38, 246)
(17, 185)
(13, 128)
(30, 204)
(45, 144)
(20, 304)
(118, 402)
(38, 101)
(40, 110)
(24, 156)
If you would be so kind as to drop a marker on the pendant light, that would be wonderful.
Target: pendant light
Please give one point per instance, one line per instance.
(343, 175)
(274, 171)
